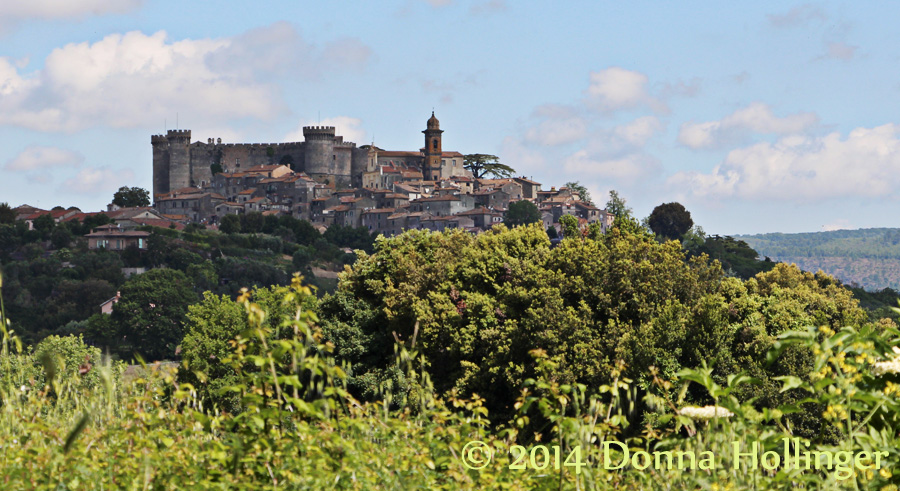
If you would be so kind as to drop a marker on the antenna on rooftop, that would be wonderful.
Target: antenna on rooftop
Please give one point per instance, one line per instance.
(176, 121)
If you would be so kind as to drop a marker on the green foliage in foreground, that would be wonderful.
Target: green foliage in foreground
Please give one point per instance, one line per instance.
(298, 428)
(478, 305)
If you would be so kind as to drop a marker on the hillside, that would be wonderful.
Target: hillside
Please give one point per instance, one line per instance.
(869, 258)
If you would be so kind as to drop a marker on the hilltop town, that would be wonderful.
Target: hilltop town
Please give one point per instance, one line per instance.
(327, 181)
(323, 180)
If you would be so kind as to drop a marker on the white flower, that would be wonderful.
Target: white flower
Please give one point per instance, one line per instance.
(705, 412)
(883, 367)
(892, 366)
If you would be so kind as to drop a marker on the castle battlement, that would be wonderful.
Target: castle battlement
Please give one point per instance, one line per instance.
(322, 154)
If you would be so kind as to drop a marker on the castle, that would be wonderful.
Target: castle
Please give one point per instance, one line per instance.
(323, 156)
(328, 181)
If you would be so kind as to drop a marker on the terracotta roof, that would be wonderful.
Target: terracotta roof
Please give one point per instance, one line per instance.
(247, 191)
(529, 181)
(477, 211)
(379, 210)
(484, 192)
(81, 216)
(155, 222)
(451, 154)
(438, 198)
(54, 213)
(187, 190)
(119, 233)
(398, 153)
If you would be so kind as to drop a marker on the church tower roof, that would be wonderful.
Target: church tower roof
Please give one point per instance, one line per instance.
(433, 123)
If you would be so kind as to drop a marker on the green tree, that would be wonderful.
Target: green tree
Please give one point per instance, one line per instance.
(582, 191)
(569, 226)
(210, 325)
(522, 212)
(230, 224)
(670, 220)
(251, 223)
(127, 197)
(7, 214)
(60, 237)
(617, 206)
(483, 165)
(44, 224)
(483, 303)
(150, 316)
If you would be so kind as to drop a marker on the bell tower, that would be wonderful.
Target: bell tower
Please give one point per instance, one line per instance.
(431, 170)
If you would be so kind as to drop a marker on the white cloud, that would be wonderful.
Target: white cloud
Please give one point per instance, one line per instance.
(134, 79)
(35, 158)
(523, 159)
(798, 16)
(13, 10)
(488, 7)
(839, 224)
(93, 180)
(350, 128)
(625, 170)
(755, 118)
(616, 88)
(639, 131)
(840, 50)
(557, 131)
(865, 164)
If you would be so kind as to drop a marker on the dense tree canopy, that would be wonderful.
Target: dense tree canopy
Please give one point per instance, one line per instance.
(150, 316)
(670, 220)
(127, 197)
(478, 305)
(617, 206)
(483, 165)
(582, 191)
(7, 214)
(521, 213)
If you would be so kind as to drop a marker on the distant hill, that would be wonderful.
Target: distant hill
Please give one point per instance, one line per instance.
(869, 258)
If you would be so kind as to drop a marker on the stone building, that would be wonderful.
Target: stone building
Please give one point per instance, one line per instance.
(324, 156)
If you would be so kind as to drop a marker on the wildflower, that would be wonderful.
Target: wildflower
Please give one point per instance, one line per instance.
(883, 367)
(705, 412)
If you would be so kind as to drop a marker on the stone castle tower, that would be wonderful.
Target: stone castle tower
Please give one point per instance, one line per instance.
(324, 156)
(431, 169)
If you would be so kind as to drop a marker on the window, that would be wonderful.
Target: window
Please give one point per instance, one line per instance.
(434, 144)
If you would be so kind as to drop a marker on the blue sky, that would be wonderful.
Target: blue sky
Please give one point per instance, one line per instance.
(764, 117)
